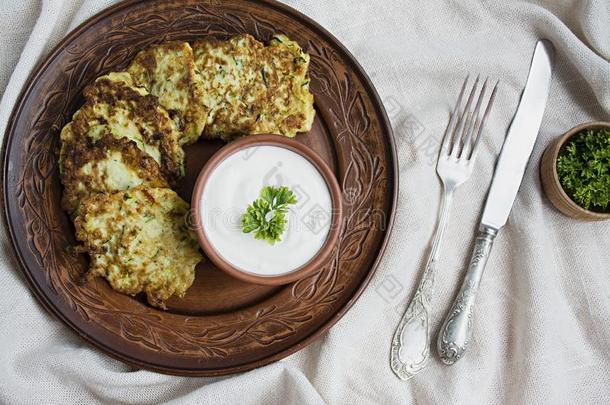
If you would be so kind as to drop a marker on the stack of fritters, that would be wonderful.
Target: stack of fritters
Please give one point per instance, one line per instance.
(123, 149)
(223, 89)
(118, 139)
(122, 139)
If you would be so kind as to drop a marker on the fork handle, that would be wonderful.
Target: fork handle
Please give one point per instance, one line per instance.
(457, 328)
(411, 341)
(410, 347)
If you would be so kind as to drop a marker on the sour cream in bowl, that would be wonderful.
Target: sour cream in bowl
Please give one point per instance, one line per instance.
(267, 210)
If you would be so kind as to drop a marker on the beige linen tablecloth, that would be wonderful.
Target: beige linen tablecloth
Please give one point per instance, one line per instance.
(542, 327)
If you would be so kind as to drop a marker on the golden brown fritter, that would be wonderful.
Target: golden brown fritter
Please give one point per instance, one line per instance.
(230, 71)
(253, 89)
(109, 164)
(139, 241)
(113, 105)
(289, 107)
(168, 72)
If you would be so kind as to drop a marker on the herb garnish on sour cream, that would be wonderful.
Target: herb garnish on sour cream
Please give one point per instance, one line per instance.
(266, 216)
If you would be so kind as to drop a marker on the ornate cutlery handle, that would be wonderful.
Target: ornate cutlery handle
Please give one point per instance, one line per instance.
(411, 342)
(457, 328)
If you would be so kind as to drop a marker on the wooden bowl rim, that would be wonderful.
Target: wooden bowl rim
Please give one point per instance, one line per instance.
(327, 174)
(556, 148)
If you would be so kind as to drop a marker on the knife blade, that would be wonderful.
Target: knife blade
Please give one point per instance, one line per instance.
(456, 331)
(520, 139)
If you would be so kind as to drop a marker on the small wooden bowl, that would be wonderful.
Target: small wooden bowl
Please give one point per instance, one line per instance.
(550, 179)
(336, 216)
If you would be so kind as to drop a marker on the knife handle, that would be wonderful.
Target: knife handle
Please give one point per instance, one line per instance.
(457, 328)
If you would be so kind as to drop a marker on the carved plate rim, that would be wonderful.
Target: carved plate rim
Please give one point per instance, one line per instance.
(9, 137)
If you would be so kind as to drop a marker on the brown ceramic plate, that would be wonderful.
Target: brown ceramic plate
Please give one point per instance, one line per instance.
(222, 325)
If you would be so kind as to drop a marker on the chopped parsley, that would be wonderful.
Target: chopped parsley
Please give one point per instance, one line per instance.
(583, 167)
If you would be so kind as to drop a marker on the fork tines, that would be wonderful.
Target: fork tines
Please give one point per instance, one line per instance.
(463, 133)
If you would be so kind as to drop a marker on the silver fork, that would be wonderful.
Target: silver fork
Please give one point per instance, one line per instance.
(411, 342)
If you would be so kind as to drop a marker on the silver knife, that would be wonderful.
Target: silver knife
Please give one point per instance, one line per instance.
(518, 145)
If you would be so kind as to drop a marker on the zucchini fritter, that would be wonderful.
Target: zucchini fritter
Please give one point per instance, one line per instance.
(290, 103)
(139, 241)
(253, 89)
(106, 165)
(230, 71)
(168, 72)
(113, 105)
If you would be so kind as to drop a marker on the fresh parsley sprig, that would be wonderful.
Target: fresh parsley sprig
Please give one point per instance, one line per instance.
(266, 216)
(584, 169)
